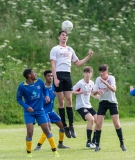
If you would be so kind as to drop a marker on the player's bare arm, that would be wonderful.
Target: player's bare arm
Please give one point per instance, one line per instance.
(95, 96)
(56, 81)
(112, 88)
(97, 92)
(77, 92)
(81, 62)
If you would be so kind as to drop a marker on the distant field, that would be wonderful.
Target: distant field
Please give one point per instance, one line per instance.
(12, 143)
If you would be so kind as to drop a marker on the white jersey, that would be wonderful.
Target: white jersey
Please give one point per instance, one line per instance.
(107, 94)
(83, 100)
(63, 57)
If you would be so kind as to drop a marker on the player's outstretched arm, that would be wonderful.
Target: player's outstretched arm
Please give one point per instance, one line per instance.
(81, 62)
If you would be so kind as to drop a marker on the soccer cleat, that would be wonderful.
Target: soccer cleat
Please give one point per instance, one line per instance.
(56, 154)
(29, 155)
(73, 133)
(123, 147)
(37, 148)
(67, 132)
(91, 145)
(62, 146)
(97, 149)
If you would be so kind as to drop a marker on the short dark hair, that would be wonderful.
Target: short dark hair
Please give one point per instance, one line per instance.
(103, 67)
(46, 72)
(26, 72)
(62, 32)
(88, 69)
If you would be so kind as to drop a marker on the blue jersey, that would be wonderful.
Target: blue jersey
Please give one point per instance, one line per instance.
(48, 107)
(32, 95)
(132, 92)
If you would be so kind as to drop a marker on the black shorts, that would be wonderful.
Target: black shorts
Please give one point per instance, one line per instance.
(84, 111)
(65, 82)
(105, 105)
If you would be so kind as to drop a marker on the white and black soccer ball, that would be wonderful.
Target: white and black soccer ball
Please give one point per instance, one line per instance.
(67, 26)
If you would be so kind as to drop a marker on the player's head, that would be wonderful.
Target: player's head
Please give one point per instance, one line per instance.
(103, 67)
(29, 73)
(48, 76)
(103, 71)
(60, 32)
(63, 37)
(87, 72)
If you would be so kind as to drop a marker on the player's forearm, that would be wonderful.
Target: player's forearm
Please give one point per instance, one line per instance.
(95, 93)
(25, 106)
(113, 89)
(53, 63)
(81, 62)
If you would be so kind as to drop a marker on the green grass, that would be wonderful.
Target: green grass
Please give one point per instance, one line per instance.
(12, 143)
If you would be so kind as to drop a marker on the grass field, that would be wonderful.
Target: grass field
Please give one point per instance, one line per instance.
(12, 143)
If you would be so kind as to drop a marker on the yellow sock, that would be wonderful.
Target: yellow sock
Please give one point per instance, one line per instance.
(42, 138)
(29, 145)
(61, 136)
(52, 143)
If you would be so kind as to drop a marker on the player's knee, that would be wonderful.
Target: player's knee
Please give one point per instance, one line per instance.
(69, 101)
(98, 125)
(91, 120)
(29, 133)
(117, 125)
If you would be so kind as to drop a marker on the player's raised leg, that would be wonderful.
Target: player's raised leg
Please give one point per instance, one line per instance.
(60, 96)
(69, 110)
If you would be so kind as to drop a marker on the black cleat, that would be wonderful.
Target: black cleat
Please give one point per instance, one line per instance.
(73, 133)
(123, 147)
(67, 132)
(97, 149)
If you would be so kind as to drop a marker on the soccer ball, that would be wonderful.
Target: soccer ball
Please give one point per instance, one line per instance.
(67, 26)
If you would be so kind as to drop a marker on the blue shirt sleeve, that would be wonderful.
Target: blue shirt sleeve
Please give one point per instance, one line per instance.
(19, 96)
(132, 92)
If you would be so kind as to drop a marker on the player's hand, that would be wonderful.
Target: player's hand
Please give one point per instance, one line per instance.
(47, 99)
(100, 92)
(131, 88)
(90, 53)
(56, 82)
(54, 93)
(30, 109)
(80, 92)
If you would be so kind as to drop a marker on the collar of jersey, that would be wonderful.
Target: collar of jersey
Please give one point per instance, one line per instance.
(25, 83)
(48, 86)
(62, 46)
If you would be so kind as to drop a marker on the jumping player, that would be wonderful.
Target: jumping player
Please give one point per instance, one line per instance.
(32, 90)
(61, 57)
(53, 117)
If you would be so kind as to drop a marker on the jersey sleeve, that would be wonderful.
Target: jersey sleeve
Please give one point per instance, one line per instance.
(53, 54)
(113, 82)
(77, 86)
(96, 85)
(19, 98)
(92, 85)
(74, 57)
(132, 92)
